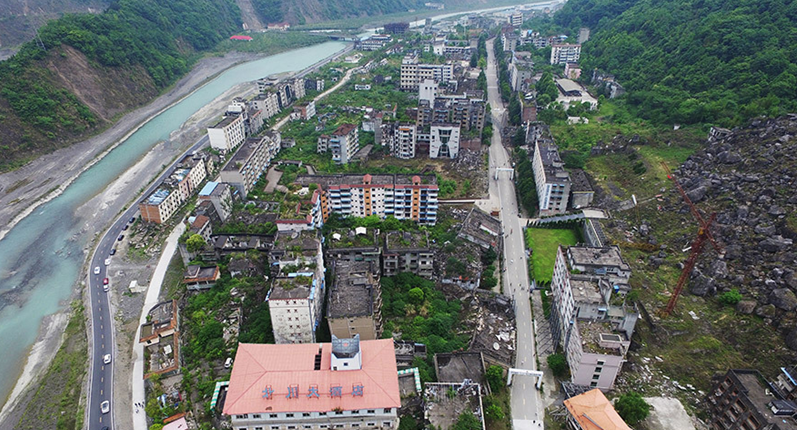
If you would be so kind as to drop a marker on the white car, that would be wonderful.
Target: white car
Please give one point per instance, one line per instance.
(105, 407)
(97, 270)
(107, 261)
(106, 358)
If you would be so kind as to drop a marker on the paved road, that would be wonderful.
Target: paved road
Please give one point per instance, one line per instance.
(102, 329)
(524, 395)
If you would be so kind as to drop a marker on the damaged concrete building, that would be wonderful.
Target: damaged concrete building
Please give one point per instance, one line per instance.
(593, 328)
(355, 300)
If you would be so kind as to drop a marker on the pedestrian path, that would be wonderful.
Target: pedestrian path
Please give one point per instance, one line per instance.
(154, 290)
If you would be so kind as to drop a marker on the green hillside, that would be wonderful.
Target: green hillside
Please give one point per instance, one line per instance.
(692, 61)
(99, 65)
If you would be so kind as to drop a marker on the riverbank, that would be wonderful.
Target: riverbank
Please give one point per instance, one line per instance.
(98, 212)
(45, 178)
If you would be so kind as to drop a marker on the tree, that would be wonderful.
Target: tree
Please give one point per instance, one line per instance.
(495, 377)
(558, 365)
(195, 243)
(156, 426)
(407, 422)
(153, 409)
(467, 421)
(730, 298)
(632, 407)
(416, 295)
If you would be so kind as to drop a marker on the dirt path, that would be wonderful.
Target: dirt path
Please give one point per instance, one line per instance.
(35, 183)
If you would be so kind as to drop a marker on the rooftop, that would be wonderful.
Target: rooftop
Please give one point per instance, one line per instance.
(339, 239)
(304, 242)
(593, 411)
(299, 286)
(585, 290)
(242, 155)
(458, 366)
(396, 240)
(259, 368)
(225, 122)
(197, 273)
(353, 290)
(208, 188)
(760, 394)
(599, 337)
(580, 181)
(568, 85)
(159, 195)
(342, 180)
(344, 129)
(606, 256)
(481, 226)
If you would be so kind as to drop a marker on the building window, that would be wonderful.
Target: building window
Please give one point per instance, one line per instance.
(307, 426)
(322, 414)
(305, 414)
(272, 415)
(338, 412)
(601, 362)
(288, 415)
(596, 377)
(354, 412)
(593, 384)
(322, 426)
(385, 423)
(598, 369)
(355, 425)
(241, 417)
(275, 427)
(371, 424)
(371, 411)
(388, 410)
(256, 416)
(291, 427)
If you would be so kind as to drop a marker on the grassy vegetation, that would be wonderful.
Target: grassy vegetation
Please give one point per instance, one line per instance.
(173, 280)
(56, 401)
(271, 42)
(544, 243)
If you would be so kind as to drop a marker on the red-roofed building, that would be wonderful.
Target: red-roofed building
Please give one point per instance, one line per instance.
(246, 38)
(593, 411)
(344, 384)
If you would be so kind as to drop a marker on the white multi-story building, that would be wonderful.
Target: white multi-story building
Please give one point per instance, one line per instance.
(427, 90)
(403, 140)
(565, 53)
(228, 133)
(176, 189)
(346, 384)
(413, 73)
(344, 143)
(268, 103)
(402, 196)
(509, 40)
(220, 196)
(248, 163)
(516, 19)
(294, 302)
(444, 141)
(551, 178)
(594, 332)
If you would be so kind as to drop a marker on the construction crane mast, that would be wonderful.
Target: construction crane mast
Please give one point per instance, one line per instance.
(703, 235)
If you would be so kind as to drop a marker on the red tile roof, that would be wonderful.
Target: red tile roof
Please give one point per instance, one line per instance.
(593, 411)
(258, 366)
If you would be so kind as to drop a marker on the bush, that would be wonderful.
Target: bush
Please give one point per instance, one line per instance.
(632, 407)
(416, 295)
(730, 298)
(495, 377)
(558, 365)
(467, 421)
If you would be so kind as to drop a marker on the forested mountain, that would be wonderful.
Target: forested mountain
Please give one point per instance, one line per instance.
(20, 19)
(689, 61)
(98, 65)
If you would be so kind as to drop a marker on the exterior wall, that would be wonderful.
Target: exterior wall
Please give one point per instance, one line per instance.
(386, 418)
(344, 146)
(343, 328)
(161, 212)
(293, 320)
(404, 142)
(228, 136)
(597, 370)
(417, 262)
(562, 54)
(196, 175)
(444, 141)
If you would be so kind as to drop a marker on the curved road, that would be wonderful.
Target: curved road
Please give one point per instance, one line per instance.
(102, 328)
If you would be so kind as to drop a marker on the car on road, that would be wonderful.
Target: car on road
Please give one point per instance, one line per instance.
(126, 226)
(121, 236)
(132, 220)
(106, 358)
(106, 287)
(97, 270)
(113, 251)
(107, 261)
(105, 281)
(105, 407)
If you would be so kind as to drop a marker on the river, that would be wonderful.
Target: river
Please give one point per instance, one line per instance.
(42, 256)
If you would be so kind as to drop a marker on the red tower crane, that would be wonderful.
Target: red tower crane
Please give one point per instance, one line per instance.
(703, 234)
